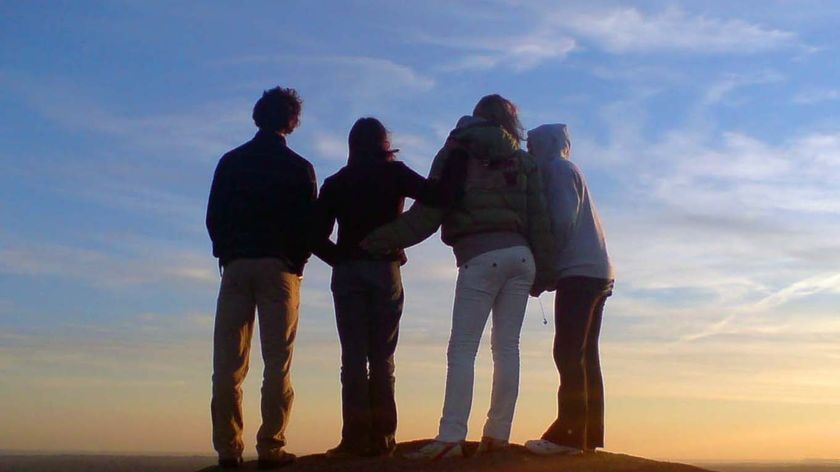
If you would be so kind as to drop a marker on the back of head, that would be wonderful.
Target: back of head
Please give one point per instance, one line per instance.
(278, 110)
(369, 143)
(550, 141)
(502, 112)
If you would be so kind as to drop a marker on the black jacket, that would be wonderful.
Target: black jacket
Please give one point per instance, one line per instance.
(364, 196)
(261, 202)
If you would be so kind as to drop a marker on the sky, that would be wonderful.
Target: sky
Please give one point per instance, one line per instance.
(709, 133)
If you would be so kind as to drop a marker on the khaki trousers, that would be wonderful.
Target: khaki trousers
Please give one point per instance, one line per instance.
(267, 285)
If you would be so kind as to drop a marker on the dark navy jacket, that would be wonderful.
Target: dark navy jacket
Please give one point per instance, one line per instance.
(261, 203)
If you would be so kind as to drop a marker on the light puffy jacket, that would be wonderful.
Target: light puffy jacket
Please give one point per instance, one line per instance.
(502, 193)
(579, 242)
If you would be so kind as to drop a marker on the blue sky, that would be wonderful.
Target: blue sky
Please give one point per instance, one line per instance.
(709, 132)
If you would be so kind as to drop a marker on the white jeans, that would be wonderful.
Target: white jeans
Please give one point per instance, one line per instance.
(499, 281)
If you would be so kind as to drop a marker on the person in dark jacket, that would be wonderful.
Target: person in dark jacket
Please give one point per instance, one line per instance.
(258, 213)
(367, 290)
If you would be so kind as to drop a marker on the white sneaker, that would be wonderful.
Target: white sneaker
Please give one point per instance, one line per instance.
(542, 447)
(436, 450)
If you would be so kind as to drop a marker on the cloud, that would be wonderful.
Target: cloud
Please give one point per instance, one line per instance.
(815, 96)
(555, 33)
(628, 30)
(197, 133)
(517, 52)
(719, 90)
(330, 146)
(362, 73)
(117, 263)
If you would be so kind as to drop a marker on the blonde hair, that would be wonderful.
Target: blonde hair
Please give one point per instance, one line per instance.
(501, 111)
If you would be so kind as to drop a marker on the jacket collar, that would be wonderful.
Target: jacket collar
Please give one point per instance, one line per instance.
(271, 138)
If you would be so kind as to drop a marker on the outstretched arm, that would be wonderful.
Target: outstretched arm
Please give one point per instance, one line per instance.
(415, 225)
(442, 191)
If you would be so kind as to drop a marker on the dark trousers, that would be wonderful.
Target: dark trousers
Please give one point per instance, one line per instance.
(578, 311)
(368, 297)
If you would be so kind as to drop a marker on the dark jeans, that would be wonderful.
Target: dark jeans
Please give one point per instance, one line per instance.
(578, 310)
(368, 297)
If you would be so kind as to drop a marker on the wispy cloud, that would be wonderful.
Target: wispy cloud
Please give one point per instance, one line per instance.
(554, 33)
(119, 264)
(629, 30)
(810, 97)
(719, 90)
(359, 71)
(519, 53)
(329, 146)
(198, 133)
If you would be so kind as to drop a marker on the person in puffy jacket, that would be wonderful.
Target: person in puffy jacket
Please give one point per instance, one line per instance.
(500, 233)
(585, 281)
(367, 289)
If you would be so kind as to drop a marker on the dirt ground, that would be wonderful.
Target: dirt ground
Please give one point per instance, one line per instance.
(514, 459)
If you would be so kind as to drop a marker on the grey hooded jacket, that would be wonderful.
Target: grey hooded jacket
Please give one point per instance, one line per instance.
(580, 246)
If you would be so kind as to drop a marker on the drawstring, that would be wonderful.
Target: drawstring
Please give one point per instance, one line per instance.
(545, 321)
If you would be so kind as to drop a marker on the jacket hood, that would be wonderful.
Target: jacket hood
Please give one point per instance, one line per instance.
(484, 138)
(550, 141)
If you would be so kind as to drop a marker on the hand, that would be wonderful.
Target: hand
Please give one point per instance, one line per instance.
(375, 246)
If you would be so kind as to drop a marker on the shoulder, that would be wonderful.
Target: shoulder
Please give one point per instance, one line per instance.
(231, 157)
(398, 167)
(334, 179)
(568, 171)
(528, 162)
(298, 160)
(565, 167)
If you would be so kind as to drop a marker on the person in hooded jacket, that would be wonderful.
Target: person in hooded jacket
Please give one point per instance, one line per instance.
(500, 233)
(367, 290)
(585, 280)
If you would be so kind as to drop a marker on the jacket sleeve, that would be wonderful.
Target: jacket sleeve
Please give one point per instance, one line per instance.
(413, 226)
(323, 222)
(216, 215)
(539, 233)
(564, 204)
(438, 192)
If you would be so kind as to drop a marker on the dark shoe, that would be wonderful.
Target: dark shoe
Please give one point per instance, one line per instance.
(382, 448)
(230, 462)
(276, 461)
(345, 451)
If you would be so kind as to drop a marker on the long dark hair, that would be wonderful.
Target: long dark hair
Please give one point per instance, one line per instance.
(369, 142)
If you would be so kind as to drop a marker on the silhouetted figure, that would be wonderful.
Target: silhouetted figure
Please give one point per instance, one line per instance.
(260, 204)
(501, 237)
(367, 289)
(585, 281)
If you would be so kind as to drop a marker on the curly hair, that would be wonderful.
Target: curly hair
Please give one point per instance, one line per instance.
(501, 111)
(278, 110)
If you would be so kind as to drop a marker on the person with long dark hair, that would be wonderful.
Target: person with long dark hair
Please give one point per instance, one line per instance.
(367, 289)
